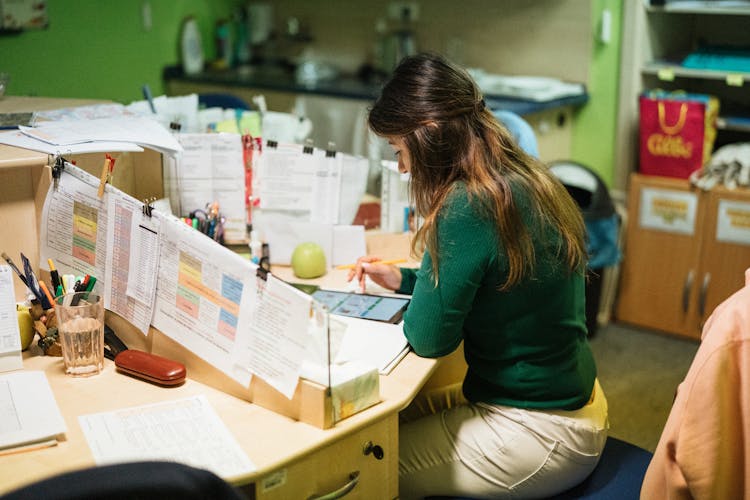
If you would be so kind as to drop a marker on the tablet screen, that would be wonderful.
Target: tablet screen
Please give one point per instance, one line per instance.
(360, 305)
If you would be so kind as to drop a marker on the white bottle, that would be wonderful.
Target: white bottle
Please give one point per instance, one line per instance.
(192, 47)
(256, 247)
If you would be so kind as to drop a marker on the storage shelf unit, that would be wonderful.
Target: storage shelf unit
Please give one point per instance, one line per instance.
(656, 39)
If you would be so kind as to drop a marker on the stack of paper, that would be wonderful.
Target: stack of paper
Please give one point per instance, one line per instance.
(29, 416)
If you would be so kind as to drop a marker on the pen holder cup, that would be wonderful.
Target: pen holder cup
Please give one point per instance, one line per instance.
(80, 326)
(45, 325)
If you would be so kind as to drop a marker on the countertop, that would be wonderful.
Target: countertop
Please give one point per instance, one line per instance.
(345, 86)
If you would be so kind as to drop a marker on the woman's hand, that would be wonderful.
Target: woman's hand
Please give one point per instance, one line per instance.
(387, 276)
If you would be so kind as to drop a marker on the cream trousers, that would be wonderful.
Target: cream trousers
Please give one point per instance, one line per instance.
(494, 451)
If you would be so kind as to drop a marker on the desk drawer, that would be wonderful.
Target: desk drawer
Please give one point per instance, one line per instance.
(330, 469)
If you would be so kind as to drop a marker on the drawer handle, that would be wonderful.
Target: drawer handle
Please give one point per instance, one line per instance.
(704, 290)
(341, 492)
(375, 449)
(686, 292)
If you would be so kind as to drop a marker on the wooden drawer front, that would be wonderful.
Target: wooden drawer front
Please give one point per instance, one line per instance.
(329, 469)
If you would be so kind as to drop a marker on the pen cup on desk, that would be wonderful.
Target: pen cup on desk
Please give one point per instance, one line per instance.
(80, 324)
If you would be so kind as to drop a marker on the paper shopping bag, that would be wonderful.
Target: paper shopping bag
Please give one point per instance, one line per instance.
(677, 132)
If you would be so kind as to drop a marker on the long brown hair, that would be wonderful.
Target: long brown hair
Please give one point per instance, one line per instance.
(439, 112)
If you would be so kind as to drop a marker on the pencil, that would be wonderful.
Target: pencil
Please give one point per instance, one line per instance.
(387, 262)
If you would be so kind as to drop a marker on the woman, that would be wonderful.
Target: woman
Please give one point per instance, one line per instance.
(502, 271)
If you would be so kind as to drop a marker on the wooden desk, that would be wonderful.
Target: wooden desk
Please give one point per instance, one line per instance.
(293, 459)
(311, 460)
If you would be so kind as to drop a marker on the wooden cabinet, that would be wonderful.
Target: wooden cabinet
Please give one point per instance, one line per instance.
(685, 252)
(363, 465)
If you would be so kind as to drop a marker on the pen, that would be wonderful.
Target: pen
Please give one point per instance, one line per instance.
(387, 262)
(147, 95)
(15, 269)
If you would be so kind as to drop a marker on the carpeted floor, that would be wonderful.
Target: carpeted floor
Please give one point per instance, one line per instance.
(639, 371)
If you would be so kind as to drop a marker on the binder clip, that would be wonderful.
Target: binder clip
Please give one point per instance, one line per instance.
(309, 147)
(331, 150)
(148, 206)
(272, 144)
(175, 126)
(58, 165)
(261, 273)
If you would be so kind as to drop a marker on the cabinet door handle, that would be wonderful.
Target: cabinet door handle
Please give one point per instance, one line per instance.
(704, 291)
(686, 291)
(341, 492)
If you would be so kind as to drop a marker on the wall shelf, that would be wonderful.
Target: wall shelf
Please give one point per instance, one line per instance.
(669, 71)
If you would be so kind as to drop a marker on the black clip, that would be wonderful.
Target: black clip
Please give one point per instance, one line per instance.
(265, 258)
(57, 170)
(147, 206)
(261, 273)
(308, 147)
(331, 150)
(272, 144)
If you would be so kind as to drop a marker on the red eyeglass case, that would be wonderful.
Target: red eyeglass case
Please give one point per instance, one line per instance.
(150, 367)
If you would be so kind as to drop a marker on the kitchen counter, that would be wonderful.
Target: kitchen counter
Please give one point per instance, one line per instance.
(280, 79)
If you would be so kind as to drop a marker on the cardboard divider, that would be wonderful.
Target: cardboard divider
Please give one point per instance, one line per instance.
(311, 402)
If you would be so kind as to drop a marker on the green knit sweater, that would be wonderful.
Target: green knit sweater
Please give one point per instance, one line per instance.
(525, 347)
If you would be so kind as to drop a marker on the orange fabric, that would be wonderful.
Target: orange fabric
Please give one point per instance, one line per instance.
(704, 450)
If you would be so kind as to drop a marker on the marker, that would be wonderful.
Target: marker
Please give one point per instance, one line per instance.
(387, 262)
(92, 282)
(48, 295)
(54, 275)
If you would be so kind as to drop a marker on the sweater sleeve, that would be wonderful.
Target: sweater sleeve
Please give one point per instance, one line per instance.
(408, 280)
(433, 323)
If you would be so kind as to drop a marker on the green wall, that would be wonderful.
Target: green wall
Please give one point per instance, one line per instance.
(99, 48)
(594, 129)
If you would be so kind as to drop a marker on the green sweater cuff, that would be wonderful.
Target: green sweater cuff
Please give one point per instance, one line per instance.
(408, 280)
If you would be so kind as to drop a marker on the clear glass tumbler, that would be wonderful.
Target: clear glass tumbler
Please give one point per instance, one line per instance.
(80, 325)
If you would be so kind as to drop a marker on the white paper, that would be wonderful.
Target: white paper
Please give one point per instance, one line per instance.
(199, 295)
(326, 188)
(211, 168)
(279, 334)
(354, 170)
(21, 140)
(10, 337)
(283, 232)
(184, 430)
(74, 225)
(28, 410)
(285, 178)
(141, 131)
(373, 342)
(348, 244)
(130, 259)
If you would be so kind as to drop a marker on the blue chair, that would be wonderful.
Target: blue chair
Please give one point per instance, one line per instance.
(520, 129)
(618, 476)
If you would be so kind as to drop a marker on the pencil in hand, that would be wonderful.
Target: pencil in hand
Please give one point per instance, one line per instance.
(387, 262)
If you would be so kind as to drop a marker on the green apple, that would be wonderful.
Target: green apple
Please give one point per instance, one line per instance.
(308, 260)
(25, 326)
